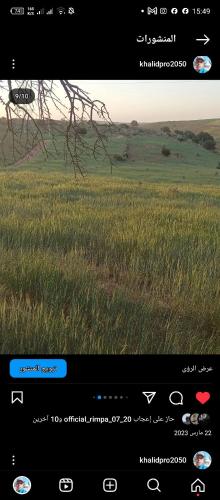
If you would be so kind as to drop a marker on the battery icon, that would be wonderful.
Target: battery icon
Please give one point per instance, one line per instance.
(17, 11)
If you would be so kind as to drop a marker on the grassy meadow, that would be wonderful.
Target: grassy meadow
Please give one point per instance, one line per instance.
(128, 263)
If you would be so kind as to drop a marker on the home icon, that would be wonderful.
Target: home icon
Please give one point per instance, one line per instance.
(198, 486)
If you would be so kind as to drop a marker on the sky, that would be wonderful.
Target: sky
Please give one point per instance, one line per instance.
(160, 100)
(154, 100)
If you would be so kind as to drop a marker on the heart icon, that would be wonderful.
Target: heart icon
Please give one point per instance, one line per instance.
(203, 397)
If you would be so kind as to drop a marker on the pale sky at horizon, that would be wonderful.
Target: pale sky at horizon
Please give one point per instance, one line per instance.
(155, 100)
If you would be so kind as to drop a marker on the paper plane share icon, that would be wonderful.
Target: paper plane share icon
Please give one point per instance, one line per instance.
(149, 396)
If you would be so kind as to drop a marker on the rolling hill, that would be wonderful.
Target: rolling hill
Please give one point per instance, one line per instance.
(135, 153)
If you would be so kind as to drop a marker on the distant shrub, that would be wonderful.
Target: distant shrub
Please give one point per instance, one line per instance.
(118, 157)
(82, 130)
(195, 139)
(190, 135)
(206, 140)
(218, 166)
(181, 138)
(134, 123)
(178, 132)
(165, 151)
(150, 131)
(166, 130)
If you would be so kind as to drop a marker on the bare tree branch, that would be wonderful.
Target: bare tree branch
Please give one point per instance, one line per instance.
(28, 126)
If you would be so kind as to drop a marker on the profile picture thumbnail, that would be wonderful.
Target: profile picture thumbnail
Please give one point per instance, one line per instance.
(204, 418)
(194, 419)
(202, 64)
(186, 418)
(202, 460)
(22, 485)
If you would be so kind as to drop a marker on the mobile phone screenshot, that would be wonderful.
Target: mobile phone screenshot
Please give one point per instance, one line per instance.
(110, 250)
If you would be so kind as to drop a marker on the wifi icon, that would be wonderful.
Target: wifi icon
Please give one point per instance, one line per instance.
(61, 11)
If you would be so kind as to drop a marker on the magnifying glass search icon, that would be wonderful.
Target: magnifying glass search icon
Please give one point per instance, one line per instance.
(153, 484)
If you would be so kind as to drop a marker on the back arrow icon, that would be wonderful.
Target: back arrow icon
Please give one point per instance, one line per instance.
(206, 39)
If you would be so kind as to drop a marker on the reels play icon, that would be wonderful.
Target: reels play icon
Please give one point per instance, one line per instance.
(203, 397)
(66, 485)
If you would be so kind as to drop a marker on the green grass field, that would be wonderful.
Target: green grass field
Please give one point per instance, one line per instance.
(128, 263)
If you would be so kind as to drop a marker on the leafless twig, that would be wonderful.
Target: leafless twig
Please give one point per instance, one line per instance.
(27, 126)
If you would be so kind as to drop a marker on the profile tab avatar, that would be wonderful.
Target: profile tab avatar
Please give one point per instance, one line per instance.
(202, 460)
(22, 485)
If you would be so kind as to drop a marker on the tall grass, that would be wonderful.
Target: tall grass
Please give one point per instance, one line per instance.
(108, 266)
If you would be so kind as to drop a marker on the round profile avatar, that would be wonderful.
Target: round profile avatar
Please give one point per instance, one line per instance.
(186, 418)
(22, 485)
(202, 460)
(204, 418)
(194, 418)
(202, 64)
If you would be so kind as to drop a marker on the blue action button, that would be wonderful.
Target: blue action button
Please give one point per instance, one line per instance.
(38, 368)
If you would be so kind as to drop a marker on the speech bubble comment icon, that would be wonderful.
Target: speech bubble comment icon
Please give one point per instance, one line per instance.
(176, 398)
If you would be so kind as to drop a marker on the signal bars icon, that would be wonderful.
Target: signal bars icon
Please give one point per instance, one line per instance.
(40, 12)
